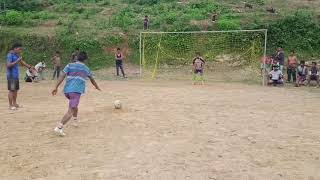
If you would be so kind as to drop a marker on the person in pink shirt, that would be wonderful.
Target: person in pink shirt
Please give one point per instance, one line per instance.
(292, 67)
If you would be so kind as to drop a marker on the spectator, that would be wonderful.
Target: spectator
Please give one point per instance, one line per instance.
(280, 58)
(31, 75)
(313, 74)
(276, 76)
(119, 62)
(292, 67)
(214, 16)
(40, 67)
(14, 58)
(302, 74)
(146, 23)
(56, 60)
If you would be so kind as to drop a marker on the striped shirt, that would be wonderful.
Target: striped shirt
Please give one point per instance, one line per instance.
(77, 74)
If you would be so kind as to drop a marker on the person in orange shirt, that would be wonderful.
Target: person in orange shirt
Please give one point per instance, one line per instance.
(292, 67)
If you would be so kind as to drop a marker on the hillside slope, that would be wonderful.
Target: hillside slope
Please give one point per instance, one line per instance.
(105, 24)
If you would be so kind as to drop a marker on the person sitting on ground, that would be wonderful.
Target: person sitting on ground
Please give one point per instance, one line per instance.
(31, 75)
(40, 67)
(314, 74)
(276, 76)
(198, 68)
(302, 74)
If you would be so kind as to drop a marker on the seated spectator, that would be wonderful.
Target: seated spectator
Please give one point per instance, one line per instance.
(313, 74)
(276, 76)
(31, 75)
(302, 73)
(40, 67)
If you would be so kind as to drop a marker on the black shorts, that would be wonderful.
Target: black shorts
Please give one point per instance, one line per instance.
(29, 79)
(314, 77)
(200, 71)
(119, 62)
(13, 84)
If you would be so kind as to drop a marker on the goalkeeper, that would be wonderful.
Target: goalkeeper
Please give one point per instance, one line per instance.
(198, 68)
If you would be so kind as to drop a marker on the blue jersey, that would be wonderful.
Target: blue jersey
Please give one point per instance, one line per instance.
(13, 71)
(77, 73)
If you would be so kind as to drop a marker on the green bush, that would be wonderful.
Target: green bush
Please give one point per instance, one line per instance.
(299, 31)
(13, 17)
(124, 18)
(43, 15)
(228, 24)
(23, 5)
(113, 40)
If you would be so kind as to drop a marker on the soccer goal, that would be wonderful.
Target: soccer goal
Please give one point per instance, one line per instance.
(229, 55)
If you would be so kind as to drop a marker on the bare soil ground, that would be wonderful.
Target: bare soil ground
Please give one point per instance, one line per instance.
(166, 130)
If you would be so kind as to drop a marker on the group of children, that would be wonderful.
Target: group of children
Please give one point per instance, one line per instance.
(299, 74)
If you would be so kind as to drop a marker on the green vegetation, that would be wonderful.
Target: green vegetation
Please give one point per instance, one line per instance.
(98, 26)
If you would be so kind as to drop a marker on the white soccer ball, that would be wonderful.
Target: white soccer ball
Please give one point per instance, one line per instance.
(117, 104)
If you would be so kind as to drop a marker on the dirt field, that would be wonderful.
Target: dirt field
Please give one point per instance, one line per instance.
(167, 130)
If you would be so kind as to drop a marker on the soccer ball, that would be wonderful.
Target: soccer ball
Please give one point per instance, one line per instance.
(117, 104)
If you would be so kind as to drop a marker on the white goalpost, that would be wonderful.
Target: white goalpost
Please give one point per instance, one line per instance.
(235, 54)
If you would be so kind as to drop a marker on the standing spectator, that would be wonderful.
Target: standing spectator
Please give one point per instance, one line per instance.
(292, 67)
(74, 56)
(314, 74)
(146, 23)
(119, 62)
(14, 58)
(280, 57)
(56, 60)
(274, 61)
(214, 16)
